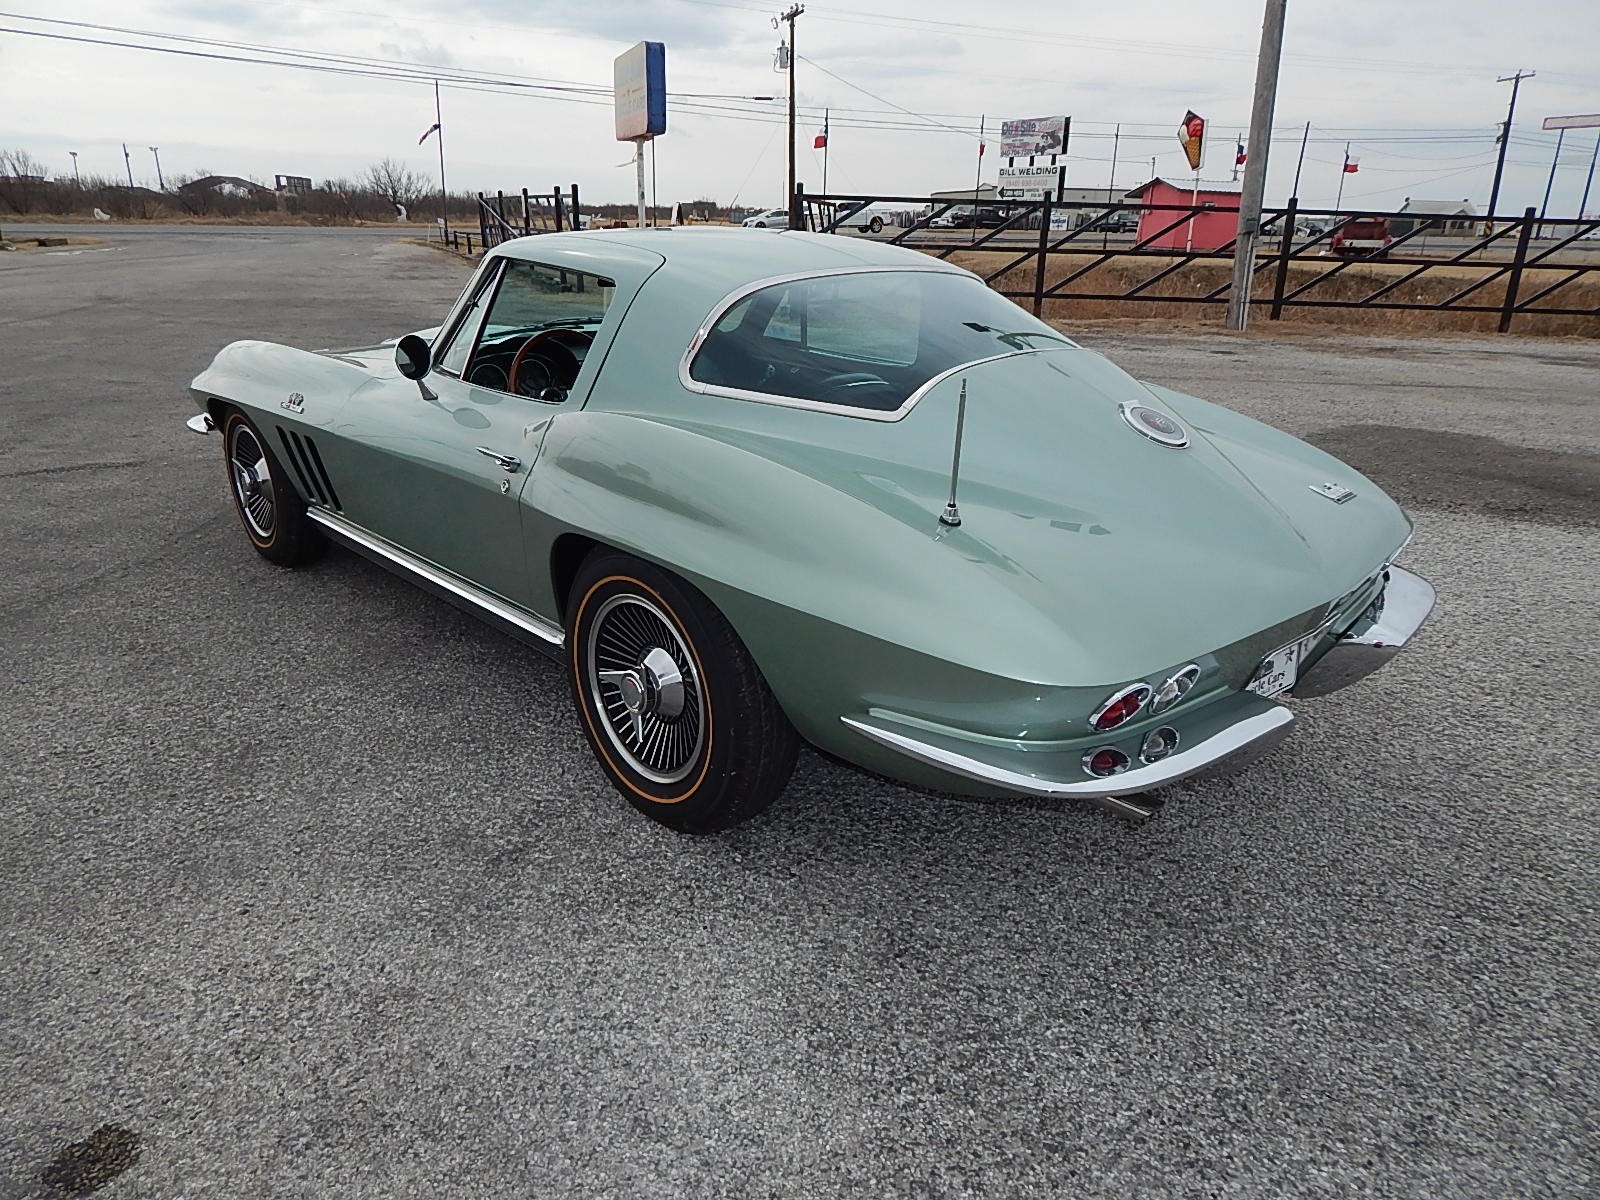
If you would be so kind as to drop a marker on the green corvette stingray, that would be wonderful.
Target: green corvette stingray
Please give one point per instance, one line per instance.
(757, 487)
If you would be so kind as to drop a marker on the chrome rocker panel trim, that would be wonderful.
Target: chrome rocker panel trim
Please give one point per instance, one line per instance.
(1264, 726)
(1374, 638)
(201, 423)
(523, 625)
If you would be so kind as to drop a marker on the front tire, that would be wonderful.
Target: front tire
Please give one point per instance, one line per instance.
(273, 516)
(674, 708)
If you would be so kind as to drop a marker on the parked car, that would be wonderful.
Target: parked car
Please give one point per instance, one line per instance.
(772, 218)
(858, 215)
(965, 217)
(1362, 237)
(759, 491)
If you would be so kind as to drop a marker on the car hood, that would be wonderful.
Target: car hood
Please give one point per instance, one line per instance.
(1128, 554)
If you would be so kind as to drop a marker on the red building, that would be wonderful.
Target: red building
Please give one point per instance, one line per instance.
(1212, 229)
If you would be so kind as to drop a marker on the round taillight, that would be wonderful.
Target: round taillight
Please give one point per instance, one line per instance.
(1105, 761)
(1120, 707)
(1158, 743)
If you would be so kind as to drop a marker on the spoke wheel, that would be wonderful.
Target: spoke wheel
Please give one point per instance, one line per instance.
(272, 513)
(643, 679)
(253, 489)
(673, 705)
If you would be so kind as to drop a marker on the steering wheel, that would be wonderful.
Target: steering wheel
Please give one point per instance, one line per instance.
(862, 389)
(535, 375)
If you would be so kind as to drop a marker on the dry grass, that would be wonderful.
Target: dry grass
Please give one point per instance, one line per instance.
(1352, 283)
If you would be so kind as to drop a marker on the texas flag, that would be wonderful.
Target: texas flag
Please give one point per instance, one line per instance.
(1350, 167)
(1238, 158)
(821, 140)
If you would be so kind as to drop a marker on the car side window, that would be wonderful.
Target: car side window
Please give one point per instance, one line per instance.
(538, 324)
(463, 337)
(861, 339)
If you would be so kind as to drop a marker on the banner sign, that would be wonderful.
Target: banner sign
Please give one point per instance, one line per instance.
(1192, 136)
(1034, 135)
(640, 92)
(1581, 121)
(1028, 183)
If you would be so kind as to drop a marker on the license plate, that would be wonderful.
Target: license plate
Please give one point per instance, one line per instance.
(1279, 670)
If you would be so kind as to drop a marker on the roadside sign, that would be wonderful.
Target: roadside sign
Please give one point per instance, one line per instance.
(1581, 121)
(640, 92)
(1033, 135)
(1192, 135)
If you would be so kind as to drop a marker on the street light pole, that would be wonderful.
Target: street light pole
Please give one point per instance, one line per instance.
(444, 192)
(1505, 134)
(160, 182)
(76, 179)
(1255, 164)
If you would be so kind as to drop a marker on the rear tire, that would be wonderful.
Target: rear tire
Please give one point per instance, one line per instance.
(674, 707)
(273, 516)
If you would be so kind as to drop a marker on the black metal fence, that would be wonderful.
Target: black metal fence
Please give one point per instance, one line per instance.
(502, 217)
(1046, 250)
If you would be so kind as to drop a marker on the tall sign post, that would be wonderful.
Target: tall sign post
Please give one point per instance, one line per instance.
(1254, 158)
(1192, 137)
(1578, 121)
(640, 97)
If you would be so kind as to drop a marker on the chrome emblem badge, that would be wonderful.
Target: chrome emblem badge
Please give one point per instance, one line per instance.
(1155, 425)
(296, 403)
(1332, 491)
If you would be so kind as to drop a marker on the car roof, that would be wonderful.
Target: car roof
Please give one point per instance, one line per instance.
(723, 256)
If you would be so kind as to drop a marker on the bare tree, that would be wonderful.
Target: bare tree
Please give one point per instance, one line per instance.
(22, 180)
(395, 182)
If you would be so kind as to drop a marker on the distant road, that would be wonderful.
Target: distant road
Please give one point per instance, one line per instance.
(117, 230)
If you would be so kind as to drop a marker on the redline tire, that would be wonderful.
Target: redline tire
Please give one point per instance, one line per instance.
(674, 708)
(273, 516)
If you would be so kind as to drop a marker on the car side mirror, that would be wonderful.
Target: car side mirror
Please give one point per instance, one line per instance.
(414, 358)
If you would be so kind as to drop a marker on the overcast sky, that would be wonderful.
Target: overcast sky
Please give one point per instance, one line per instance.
(1411, 84)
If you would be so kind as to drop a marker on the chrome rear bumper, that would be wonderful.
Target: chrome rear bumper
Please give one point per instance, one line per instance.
(1251, 727)
(1378, 634)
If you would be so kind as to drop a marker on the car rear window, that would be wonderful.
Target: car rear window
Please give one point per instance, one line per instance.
(865, 339)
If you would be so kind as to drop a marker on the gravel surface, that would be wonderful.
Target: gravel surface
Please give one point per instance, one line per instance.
(312, 888)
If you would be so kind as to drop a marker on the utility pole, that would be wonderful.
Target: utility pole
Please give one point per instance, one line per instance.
(128, 162)
(1344, 170)
(1255, 163)
(1505, 134)
(160, 182)
(791, 16)
(75, 176)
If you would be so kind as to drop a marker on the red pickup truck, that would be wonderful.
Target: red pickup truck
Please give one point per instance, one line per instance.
(1362, 237)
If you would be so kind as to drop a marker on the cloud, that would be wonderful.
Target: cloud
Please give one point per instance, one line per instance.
(679, 25)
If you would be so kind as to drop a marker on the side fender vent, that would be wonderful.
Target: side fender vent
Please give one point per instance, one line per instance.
(308, 469)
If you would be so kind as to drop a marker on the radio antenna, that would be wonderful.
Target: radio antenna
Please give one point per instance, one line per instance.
(951, 514)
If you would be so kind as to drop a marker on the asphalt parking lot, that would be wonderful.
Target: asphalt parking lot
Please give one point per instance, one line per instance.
(311, 887)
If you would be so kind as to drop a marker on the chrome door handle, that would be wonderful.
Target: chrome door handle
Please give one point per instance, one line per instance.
(508, 462)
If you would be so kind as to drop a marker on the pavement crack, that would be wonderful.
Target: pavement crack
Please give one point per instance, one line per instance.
(88, 466)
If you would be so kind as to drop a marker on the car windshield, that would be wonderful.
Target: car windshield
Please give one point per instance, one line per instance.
(865, 339)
